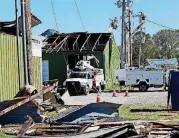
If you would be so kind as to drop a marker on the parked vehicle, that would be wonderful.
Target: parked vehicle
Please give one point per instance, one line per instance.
(141, 79)
(85, 78)
(167, 77)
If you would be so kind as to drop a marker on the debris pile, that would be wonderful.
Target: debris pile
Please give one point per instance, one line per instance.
(25, 116)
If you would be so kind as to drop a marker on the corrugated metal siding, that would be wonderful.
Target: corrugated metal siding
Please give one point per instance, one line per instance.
(37, 75)
(9, 67)
(9, 85)
(114, 65)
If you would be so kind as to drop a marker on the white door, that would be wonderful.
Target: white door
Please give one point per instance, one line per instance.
(45, 70)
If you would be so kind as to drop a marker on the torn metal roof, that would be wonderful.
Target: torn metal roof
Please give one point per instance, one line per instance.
(103, 109)
(81, 42)
(9, 27)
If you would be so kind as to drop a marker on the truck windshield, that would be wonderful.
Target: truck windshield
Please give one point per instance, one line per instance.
(78, 75)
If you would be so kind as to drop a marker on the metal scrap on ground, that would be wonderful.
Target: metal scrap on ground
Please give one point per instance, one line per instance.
(98, 120)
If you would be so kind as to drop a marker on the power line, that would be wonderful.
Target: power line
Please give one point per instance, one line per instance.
(160, 24)
(79, 15)
(54, 15)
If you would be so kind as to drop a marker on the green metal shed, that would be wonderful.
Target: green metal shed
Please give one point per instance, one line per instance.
(9, 85)
(61, 50)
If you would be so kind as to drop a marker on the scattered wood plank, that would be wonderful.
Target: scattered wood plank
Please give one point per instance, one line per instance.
(30, 98)
(25, 127)
(162, 129)
(167, 126)
(160, 132)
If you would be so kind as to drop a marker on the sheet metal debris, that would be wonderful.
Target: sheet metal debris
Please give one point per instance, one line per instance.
(16, 110)
(97, 120)
(103, 109)
(26, 100)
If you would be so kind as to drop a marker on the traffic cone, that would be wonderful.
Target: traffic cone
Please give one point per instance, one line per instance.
(114, 94)
(119, 90)
(126, 93)
(98, 99)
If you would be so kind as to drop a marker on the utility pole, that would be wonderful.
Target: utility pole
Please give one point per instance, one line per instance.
(24, 42)
(29, 41)
(123, 36)
(130, 32)
(130, 39)
(141, 21)
(17, 43)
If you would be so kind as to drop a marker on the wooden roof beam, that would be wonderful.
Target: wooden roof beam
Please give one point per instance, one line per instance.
(85, 43)
(65, 39)
(51, 50)
(76, 41)
(96, 42)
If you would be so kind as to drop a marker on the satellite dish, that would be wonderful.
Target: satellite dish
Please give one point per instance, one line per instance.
(119, 4)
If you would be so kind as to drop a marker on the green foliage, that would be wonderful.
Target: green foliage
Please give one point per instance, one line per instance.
(2, 135)
(167, 42)
(162, 45)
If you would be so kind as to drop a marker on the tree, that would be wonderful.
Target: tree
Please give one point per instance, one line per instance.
(167, 42)
(148, 48)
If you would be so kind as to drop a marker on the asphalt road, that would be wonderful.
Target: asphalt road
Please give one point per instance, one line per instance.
(152, 97)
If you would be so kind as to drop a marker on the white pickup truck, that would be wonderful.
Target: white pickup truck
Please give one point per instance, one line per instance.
(140, 78)
(85, 80)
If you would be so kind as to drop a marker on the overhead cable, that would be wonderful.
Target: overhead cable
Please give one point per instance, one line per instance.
(54, 15)
(160, 25)
(82, 23)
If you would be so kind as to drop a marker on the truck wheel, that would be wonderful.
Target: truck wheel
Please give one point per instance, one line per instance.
(103, 87)
(165, 87)
(143, 87)
(99, 89)
(86, 92)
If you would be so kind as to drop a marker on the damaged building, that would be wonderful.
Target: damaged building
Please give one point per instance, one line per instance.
(62, 52)
(9, 80)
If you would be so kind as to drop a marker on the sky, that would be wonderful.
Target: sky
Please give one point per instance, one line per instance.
(95, 14)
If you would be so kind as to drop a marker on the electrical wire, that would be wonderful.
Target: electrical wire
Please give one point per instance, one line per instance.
(160, 25)
(54, 15)
(82, 23)
(55, 19)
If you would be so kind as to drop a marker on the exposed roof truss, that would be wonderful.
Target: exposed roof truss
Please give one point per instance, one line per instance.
(77, 42)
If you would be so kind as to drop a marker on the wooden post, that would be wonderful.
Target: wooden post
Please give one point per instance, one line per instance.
(29, 42)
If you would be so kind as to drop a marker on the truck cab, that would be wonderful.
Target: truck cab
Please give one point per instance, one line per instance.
(78, 83)
(85, 78)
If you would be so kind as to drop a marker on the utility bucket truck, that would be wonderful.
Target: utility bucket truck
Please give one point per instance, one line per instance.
(141, 79)
(84, 78)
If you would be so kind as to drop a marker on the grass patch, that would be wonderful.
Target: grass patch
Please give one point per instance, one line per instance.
(2, 135)
(146, 113)
(50, 114)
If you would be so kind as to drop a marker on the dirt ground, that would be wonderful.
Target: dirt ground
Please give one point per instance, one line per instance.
(152, 97)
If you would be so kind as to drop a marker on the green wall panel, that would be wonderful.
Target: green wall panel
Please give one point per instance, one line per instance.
(57, 66)
(114, 64)
(37, 73)
(9, 83)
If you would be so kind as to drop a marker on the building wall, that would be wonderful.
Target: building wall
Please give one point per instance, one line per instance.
(111, 64)
(37, 72)
(9, 85)
(57, 66)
